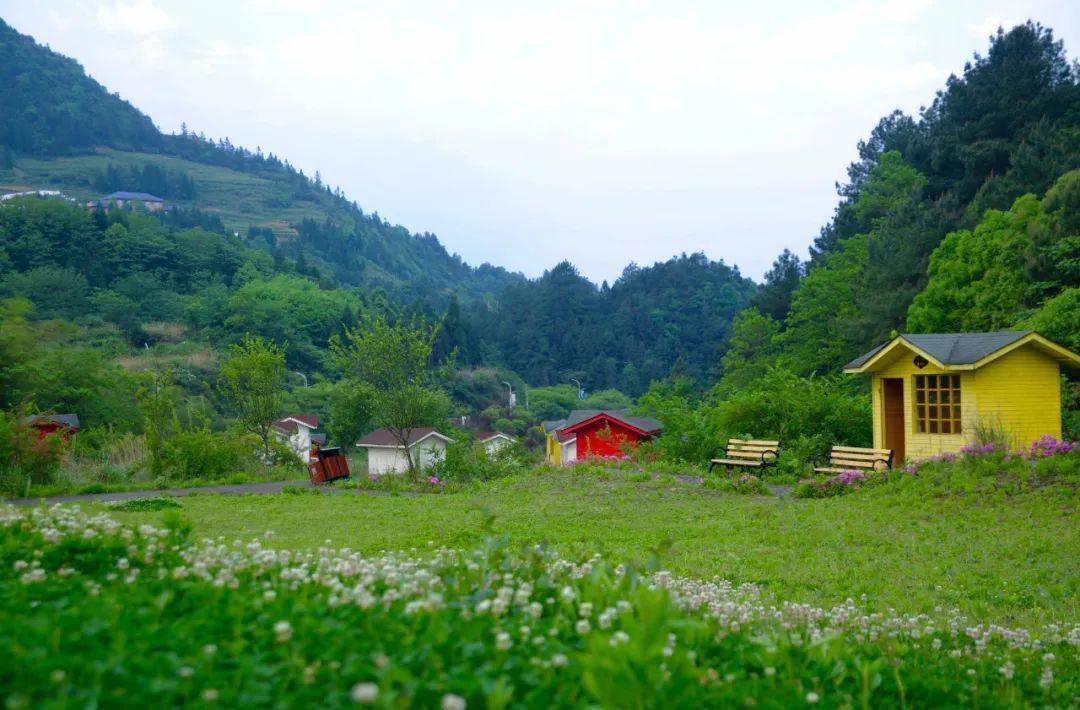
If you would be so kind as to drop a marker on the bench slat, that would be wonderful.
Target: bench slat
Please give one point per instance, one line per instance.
(862, 450)
(852, 464)
(754, 442)
(736, 462)
(856, 457)
(743, 454)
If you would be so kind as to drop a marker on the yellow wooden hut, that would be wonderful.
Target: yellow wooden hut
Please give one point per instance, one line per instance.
(931, 392)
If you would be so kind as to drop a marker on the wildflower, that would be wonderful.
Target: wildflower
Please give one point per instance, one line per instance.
(620, 637)
(1047, 678)
(582, 627)
(185, 671)
(209, 695)
(770, 671)
(283, 631)
(58, 676)
(434, 480)
(558, 660)
(364, 693)
(502, 641)
(812, 697)
(452, 702)
(209, 649)
(1007, 670)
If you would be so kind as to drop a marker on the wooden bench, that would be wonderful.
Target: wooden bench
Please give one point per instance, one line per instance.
(747, 453)
(854, 458)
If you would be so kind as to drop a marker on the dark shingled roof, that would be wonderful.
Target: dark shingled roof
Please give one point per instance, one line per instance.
(71, 421)
(383, 437)
(951, 348)
(143, 196)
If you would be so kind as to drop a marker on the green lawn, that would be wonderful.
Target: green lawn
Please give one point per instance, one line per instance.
(1008, 559)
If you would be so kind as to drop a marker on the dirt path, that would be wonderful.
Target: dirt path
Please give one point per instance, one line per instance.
(240, 489)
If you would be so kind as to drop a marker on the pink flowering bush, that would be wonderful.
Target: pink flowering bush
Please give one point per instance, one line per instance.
(1046, 461)
(841, 483)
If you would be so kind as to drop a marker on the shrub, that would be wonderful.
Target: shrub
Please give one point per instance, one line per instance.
(25, 459)
(467, 460)
(144, 505)
(201, 453)
(840, 484)
(746, 483)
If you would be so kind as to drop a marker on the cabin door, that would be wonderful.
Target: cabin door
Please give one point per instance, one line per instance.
(893, 404)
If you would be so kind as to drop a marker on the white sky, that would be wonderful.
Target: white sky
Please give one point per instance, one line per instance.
(526, 133)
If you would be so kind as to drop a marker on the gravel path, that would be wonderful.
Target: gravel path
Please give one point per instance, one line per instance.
(234, 490)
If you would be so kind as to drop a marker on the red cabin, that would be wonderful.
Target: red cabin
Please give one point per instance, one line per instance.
(607, 434)
(63, 425)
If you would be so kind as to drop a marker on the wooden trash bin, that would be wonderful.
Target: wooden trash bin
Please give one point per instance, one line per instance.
(329, 465)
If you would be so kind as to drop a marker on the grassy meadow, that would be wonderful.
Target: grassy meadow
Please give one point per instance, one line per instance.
(994, 555)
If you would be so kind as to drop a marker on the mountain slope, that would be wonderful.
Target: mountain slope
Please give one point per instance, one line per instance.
(60, 129)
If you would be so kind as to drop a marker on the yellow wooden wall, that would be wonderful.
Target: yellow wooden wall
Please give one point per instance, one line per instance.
(1020, 393)
(919, 446)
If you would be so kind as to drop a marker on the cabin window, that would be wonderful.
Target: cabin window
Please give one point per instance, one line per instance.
(937, 404)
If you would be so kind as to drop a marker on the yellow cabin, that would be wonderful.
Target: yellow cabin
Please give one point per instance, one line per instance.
(931, 392)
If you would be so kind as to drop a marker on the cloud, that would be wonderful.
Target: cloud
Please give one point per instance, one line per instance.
(989, 26)
(139, 17)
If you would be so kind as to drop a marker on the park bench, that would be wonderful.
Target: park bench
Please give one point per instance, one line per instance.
(855, 458)
(747, 453)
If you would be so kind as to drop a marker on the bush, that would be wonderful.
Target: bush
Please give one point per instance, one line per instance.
(144, 505)
(468, 460)
(747, 484)
(25, 459)
(201, 453)
(807, 415)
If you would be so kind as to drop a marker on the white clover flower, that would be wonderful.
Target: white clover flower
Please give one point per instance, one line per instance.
(812, 697)
(582, 627)
(567, 594)
(283, 631)
(20, 565)
(185, 671)
(1007, 670)
(1047, 678)
(209, 695)
(269, 595)
(558, 660)
(585, 610)
(770, 671)
(58, 676)
(621, 637)
(364, 693)
(452, 702)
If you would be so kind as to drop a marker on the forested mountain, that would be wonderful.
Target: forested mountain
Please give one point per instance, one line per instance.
(673, 314)
(49, 108)
(1009, 126)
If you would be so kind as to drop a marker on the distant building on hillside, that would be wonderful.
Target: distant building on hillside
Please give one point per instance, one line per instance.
(32, 193)
(297, 431)
(494, 441)
(139, 200)
(932, 392)
(62, 425)
(387, 455)
(593, 433)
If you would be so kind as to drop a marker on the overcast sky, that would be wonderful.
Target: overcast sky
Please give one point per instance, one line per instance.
(526, 133)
